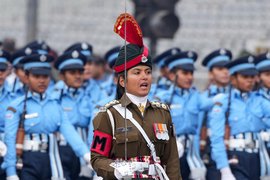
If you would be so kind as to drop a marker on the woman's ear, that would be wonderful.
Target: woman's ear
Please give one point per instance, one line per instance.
(122, 81)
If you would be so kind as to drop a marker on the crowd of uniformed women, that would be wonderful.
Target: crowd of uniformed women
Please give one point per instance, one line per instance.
(46, 128)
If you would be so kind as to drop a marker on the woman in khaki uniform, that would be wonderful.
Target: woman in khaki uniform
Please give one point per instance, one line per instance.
(120, 147)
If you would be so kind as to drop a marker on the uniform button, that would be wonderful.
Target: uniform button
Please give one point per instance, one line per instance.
(58, 123)
(32, 124)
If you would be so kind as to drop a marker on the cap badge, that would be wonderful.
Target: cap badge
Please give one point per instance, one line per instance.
(28, 51)
(43, 58)
(144, 59)
(84, 46)
(250, 59)
(268, 55)
(75, 54)
(174, 51)
(44, 46)
(190, 54)
(222, 52)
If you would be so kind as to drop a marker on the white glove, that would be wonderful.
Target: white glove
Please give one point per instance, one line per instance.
(86, 171)
(13, 177)
(197, 173)
(87, 157)
(3, 149)
(226, 174)
(180, 147)
(123, 171)
(218, 98)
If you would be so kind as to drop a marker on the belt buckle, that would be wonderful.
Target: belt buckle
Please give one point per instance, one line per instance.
(43, 147)
(250, 144)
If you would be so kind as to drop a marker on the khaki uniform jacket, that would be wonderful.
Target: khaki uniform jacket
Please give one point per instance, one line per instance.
(136, 144)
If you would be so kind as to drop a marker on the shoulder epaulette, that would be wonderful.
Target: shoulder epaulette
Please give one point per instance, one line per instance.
(11, 109)
(111, 103)
(160, 105)
(108, 105)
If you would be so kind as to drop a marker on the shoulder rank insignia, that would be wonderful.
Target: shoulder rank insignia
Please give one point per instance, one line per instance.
(110, 104)
(161, 131)
(160, 105)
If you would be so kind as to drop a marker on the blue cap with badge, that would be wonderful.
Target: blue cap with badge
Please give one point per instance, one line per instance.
(70, 60)
(217, 58)
(262, 62)
(17, 57)
(112, 55)
(243, 65)
(38, 64)
(4, 59)
(84, 48)
(183, 60)
(39, 45)
(160, 59)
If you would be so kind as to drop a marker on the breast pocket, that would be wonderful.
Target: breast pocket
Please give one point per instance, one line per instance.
(132, 141)
(160, 146)
(31, 120)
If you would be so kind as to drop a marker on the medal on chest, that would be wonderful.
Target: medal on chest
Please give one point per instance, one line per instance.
(161, 131)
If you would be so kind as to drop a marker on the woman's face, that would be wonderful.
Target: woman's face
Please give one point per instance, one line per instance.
(139, 79)
(265, 78)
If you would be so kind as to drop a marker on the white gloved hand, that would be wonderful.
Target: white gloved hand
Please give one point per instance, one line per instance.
(123, 169)
(226, 174)
(219, 98)
(3, 149)
(87, 157)
(180, 148)
(198, 173)
(86, 171)
(13, 177)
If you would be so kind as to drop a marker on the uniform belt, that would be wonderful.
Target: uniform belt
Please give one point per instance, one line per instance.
(244, 142)
(36, 142)
(265, 136)
(144, 166)
(184, 140)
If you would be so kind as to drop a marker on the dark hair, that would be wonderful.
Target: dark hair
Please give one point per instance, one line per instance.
(119, 89)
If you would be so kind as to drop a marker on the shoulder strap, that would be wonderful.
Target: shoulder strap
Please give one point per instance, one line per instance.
(112, 121)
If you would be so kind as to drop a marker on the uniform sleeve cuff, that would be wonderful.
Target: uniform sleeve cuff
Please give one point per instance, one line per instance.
(11, 171)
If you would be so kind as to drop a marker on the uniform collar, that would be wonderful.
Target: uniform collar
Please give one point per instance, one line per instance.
(73, 92)
(266, 90)
(240, 94)
(37, 96)
(125, 101)
(182, 92)
(137, 100)
(214, 89)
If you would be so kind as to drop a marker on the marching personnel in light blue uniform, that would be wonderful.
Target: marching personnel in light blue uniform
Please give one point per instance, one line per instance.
(5, 99)
(92, 88)
(19, 84)
(163, 80)
(219, 78)
(185, 103)
(42, 47)
(111, 57)
(71, 96)
(262, 63)
(110, 84)
(242, 115)
(30, 124)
